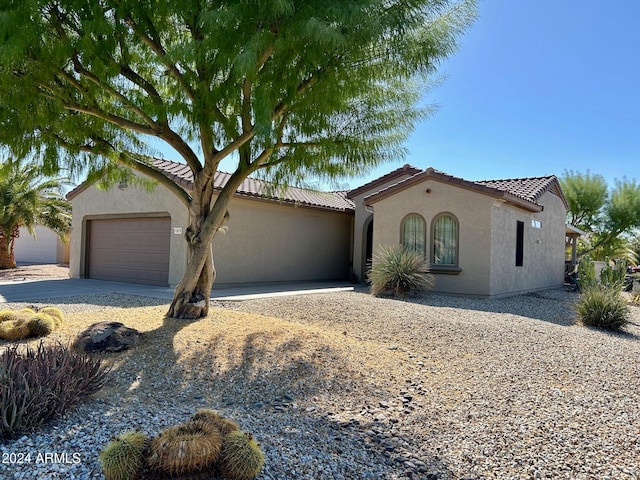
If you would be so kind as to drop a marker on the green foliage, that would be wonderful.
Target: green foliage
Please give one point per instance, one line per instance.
(29, 198)
(123, 457)
(37, 385)
(606, 216)
(41, 325)
(613, 276)
(602, 306)
(291, 91)
(586, 272)
(586, 195)
(241, 457)
(184, 449)
(399, 271)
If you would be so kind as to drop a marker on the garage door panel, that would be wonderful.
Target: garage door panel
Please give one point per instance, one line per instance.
(132, 250)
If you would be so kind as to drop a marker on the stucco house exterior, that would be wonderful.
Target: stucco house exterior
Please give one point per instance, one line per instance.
(44, 247)
(489, 238)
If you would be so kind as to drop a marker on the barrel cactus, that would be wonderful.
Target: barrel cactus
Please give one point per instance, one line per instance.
(41, 324)
(241, 457)
(212, 419)
(184, 449)
(123, 457)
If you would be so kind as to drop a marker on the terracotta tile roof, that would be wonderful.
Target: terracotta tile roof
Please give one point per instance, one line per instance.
(523, 192)
(527, 188)
(251, 187)
(404, 170)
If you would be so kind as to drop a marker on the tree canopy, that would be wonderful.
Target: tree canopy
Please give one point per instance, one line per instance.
(608, 215)
(291, 89)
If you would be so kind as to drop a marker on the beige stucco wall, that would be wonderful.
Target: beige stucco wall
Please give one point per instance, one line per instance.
(473, 211)
(264, 242)
(543, 261)
(361, 221)
(132, 201)
(269, 242)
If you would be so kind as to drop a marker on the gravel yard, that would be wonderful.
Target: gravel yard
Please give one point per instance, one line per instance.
(347, 386)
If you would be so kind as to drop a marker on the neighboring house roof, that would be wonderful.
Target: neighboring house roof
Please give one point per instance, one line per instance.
(523, 192)
(251, 187)
(406, 169)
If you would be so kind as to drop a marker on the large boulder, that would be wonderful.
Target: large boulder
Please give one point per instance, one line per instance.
(107, 337)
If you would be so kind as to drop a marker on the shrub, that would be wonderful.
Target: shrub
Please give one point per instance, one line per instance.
(37, 385)
(602, 306)
(399, 271)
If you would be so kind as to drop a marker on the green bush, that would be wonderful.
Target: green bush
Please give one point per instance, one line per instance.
(37, 385)
(399, 271)
(602, 306)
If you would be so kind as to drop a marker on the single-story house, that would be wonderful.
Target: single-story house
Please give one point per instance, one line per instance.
(485, 238)
(44, 247)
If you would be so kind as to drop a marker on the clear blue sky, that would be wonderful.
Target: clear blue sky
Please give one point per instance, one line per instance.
(536, 87)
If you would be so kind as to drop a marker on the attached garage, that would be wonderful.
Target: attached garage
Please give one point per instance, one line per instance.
(134, 250)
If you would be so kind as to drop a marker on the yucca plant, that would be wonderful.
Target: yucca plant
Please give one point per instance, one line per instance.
(602, 306)
(398, 271)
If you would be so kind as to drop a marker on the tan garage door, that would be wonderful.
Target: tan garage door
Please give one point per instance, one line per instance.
(134, 250)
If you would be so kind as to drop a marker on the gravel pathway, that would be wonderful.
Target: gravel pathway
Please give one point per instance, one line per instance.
(436, 387)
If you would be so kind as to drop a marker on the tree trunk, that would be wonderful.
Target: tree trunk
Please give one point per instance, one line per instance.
(7, 257)
(192, 294)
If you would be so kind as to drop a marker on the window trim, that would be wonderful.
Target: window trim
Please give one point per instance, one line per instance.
(424, 236)
(450, 268)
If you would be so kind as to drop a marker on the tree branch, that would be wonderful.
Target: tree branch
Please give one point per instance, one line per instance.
(159, 50)
(81, 70)
(127, 159)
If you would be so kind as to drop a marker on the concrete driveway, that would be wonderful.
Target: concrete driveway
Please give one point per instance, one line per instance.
(30, 291)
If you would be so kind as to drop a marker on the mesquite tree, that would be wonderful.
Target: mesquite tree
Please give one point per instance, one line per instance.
(288, 89)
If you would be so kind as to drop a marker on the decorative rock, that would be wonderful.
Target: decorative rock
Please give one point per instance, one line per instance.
(107, 337)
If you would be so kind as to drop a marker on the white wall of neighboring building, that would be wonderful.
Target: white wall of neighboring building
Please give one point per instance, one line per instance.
(46, 247)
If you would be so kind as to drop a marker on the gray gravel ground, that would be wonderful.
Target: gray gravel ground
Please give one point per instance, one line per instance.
(478, 389)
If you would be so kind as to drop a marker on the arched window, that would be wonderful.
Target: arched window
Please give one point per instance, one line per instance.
(444, 240)
(412, 233)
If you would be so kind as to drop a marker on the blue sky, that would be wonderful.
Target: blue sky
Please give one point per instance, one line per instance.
(536, 87)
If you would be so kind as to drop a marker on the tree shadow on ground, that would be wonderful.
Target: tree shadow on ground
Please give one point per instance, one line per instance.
(300, 396)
